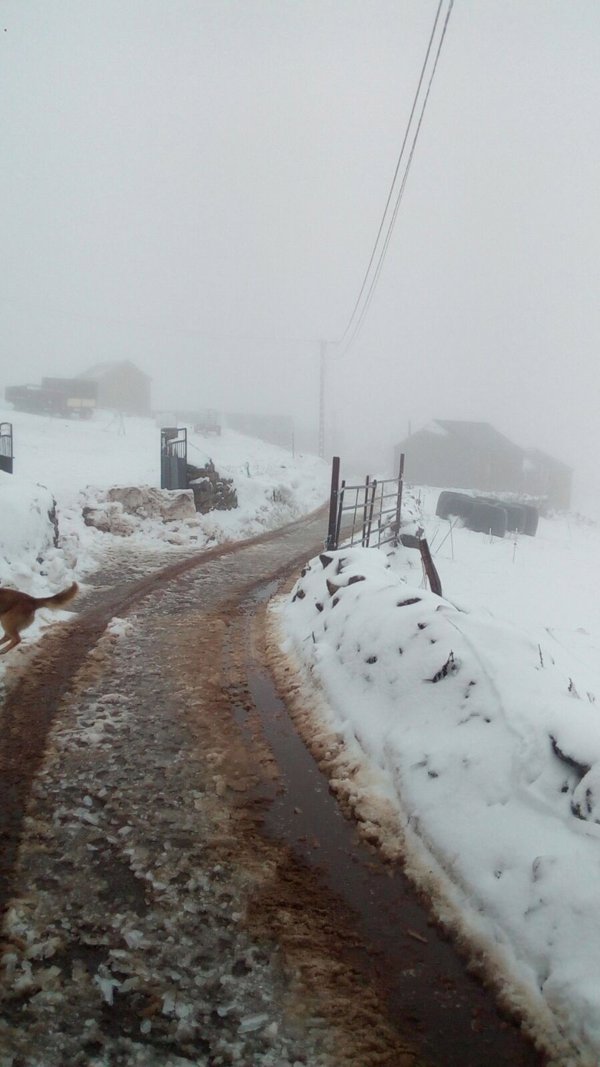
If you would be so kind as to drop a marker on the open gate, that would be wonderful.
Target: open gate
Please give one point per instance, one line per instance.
(173, 458)
(367, 514)
(370, 515)
(6, 447)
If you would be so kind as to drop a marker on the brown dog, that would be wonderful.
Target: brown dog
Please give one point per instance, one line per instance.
(17, 611)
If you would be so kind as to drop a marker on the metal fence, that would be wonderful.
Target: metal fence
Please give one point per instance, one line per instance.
(173, 457)
(367, 514)
(6, 447)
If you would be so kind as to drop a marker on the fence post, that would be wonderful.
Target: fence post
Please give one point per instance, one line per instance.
(339, 512)
(365, 510)
(332, 525)
(434, 579)
(399, 500)
(371, 505)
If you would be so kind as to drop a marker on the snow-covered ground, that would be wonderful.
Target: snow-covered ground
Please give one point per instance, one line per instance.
(472, 722)
(74, 462)
(467, 725)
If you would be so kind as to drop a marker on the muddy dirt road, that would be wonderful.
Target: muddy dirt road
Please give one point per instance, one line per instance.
(177, 883)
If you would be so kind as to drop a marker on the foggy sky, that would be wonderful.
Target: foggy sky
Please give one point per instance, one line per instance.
(196, 186)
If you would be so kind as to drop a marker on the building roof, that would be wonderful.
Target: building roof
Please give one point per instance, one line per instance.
(481, 436)
(102, 370)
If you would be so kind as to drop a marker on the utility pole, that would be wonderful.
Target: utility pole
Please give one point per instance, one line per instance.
(323, 346)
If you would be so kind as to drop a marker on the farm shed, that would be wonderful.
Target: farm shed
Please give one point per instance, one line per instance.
(474, 455)
(121, 387)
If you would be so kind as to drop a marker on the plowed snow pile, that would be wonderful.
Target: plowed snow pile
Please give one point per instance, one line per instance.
(485, 736)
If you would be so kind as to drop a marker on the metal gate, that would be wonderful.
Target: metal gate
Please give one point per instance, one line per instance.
(370, 515)
(367, 514)
(6, 447)
(173, 458)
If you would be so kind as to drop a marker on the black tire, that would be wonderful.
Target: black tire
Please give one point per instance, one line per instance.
(531, 520)
(454, 504)
(488, 518)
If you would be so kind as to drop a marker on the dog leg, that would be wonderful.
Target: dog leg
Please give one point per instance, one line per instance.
(13, 622)
(14, 641)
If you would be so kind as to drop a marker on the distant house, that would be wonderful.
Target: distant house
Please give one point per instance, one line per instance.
(121, 387)
(473, 455)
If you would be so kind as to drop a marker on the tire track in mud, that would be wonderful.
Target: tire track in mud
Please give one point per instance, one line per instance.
(74, 884)
(35, 688)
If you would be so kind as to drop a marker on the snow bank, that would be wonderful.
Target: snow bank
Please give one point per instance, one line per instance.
(490, 750)
(28, 532)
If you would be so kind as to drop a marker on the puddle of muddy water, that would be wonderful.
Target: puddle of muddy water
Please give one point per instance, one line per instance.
(453, 1018)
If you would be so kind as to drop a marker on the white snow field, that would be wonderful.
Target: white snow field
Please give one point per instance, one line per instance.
(472, 721)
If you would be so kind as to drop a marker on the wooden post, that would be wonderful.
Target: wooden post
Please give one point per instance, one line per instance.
(434, 579)
(399, 501)
(339, 512)
(371, 505)
(365, 510)
(332, 525)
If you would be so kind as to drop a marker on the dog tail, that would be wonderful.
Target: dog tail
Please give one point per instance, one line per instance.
(58, 599)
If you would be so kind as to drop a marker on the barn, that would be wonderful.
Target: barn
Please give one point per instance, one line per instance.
(474, 455)
(122, 387)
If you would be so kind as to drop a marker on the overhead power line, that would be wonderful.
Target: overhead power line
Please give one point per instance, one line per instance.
(398, 185)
